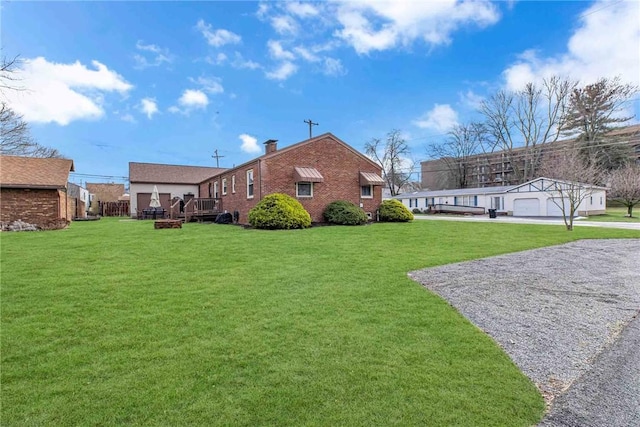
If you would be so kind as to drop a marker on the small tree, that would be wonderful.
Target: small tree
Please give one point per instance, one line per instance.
(572, 181)
(394, 157)
(521, 122)
(625, 186)
(463, 142)
(594, 110)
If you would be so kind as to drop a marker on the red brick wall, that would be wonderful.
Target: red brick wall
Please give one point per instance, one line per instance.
(32, 206)
(339, 166)
(236, 201)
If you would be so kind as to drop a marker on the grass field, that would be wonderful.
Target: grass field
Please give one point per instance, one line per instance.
(115, 323)
(617, 214)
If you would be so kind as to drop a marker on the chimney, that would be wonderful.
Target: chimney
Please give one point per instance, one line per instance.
(271, 146)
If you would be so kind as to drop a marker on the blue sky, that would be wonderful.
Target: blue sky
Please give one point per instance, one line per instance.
(170, 82)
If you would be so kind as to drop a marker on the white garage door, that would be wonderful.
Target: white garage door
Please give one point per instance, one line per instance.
(554, 209)
(526, 207)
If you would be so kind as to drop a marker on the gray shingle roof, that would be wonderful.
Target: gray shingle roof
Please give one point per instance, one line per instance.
(154, 173)
(32, 172)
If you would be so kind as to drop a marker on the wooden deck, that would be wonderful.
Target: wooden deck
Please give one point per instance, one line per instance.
(196, 209)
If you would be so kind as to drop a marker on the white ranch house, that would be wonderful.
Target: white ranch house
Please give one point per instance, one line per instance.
(533, 198)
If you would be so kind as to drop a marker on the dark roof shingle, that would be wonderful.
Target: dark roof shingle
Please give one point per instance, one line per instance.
(33, 172)
(154, 173)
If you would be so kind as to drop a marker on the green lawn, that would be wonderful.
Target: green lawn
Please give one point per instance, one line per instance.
(115, 323)
(617, 214)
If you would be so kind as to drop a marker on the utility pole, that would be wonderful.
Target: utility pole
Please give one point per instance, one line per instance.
(217, 157)
(310, 123)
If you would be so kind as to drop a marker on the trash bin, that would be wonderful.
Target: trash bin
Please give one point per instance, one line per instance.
(492, 213)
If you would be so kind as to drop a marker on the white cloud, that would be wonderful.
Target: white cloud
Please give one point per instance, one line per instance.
(211, 85)
(284, 24)
(263, 9)
(303, 10)
(440, 118)
(604, 44)
(218, 37)
(193, 99)
(240, 62)
(306, 54)
(149, 106)
(127, 118)
(471, 99)
(370, 25)
(62, 93)
(278, 52)
(159, 55)
(249, 144)
(333, 67)
(219, 59)
(283, 72)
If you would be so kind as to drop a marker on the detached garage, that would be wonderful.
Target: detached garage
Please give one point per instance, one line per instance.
(537, 198)
(548, 197)
(526, 207)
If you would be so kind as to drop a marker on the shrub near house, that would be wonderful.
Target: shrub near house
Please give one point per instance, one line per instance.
(279, 212)
(342, 212)
(394, 211)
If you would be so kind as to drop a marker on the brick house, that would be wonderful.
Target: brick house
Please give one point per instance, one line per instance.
(34, 190)
(316, 172)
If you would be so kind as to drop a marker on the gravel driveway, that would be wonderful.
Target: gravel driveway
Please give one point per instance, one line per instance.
(553, 310)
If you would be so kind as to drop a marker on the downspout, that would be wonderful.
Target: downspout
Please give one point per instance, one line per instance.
(260, 178)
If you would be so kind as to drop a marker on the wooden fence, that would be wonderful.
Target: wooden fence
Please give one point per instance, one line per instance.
(119, 208)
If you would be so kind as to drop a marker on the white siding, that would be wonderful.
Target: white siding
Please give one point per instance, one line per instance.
(176, 190)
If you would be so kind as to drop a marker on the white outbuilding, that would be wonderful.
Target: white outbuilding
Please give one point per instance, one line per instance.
(537, 198)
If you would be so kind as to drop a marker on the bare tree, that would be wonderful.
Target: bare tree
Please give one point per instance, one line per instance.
(519, 123)
(394, 156)
(15, 136)
(573, 180)
(8, 80)
(594, 110)
(464, 142)
(625, 186)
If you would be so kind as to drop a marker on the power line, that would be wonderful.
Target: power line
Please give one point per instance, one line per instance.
(217, 157)
(311, 124)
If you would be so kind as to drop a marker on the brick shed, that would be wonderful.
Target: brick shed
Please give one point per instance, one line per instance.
(316, 172)
(34, 190)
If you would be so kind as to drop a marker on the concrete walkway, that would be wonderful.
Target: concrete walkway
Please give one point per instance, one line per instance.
(524, 220)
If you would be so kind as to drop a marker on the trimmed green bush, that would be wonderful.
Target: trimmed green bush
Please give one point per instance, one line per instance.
(279, 211)
(342, 212)
(416, 211)
(394, 211)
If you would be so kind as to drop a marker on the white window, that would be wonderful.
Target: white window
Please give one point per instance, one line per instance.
(366, 192)
(215, 190)
(233, 184)
(497, 203)
(224, 186)
(304, 189)
(250, 184)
